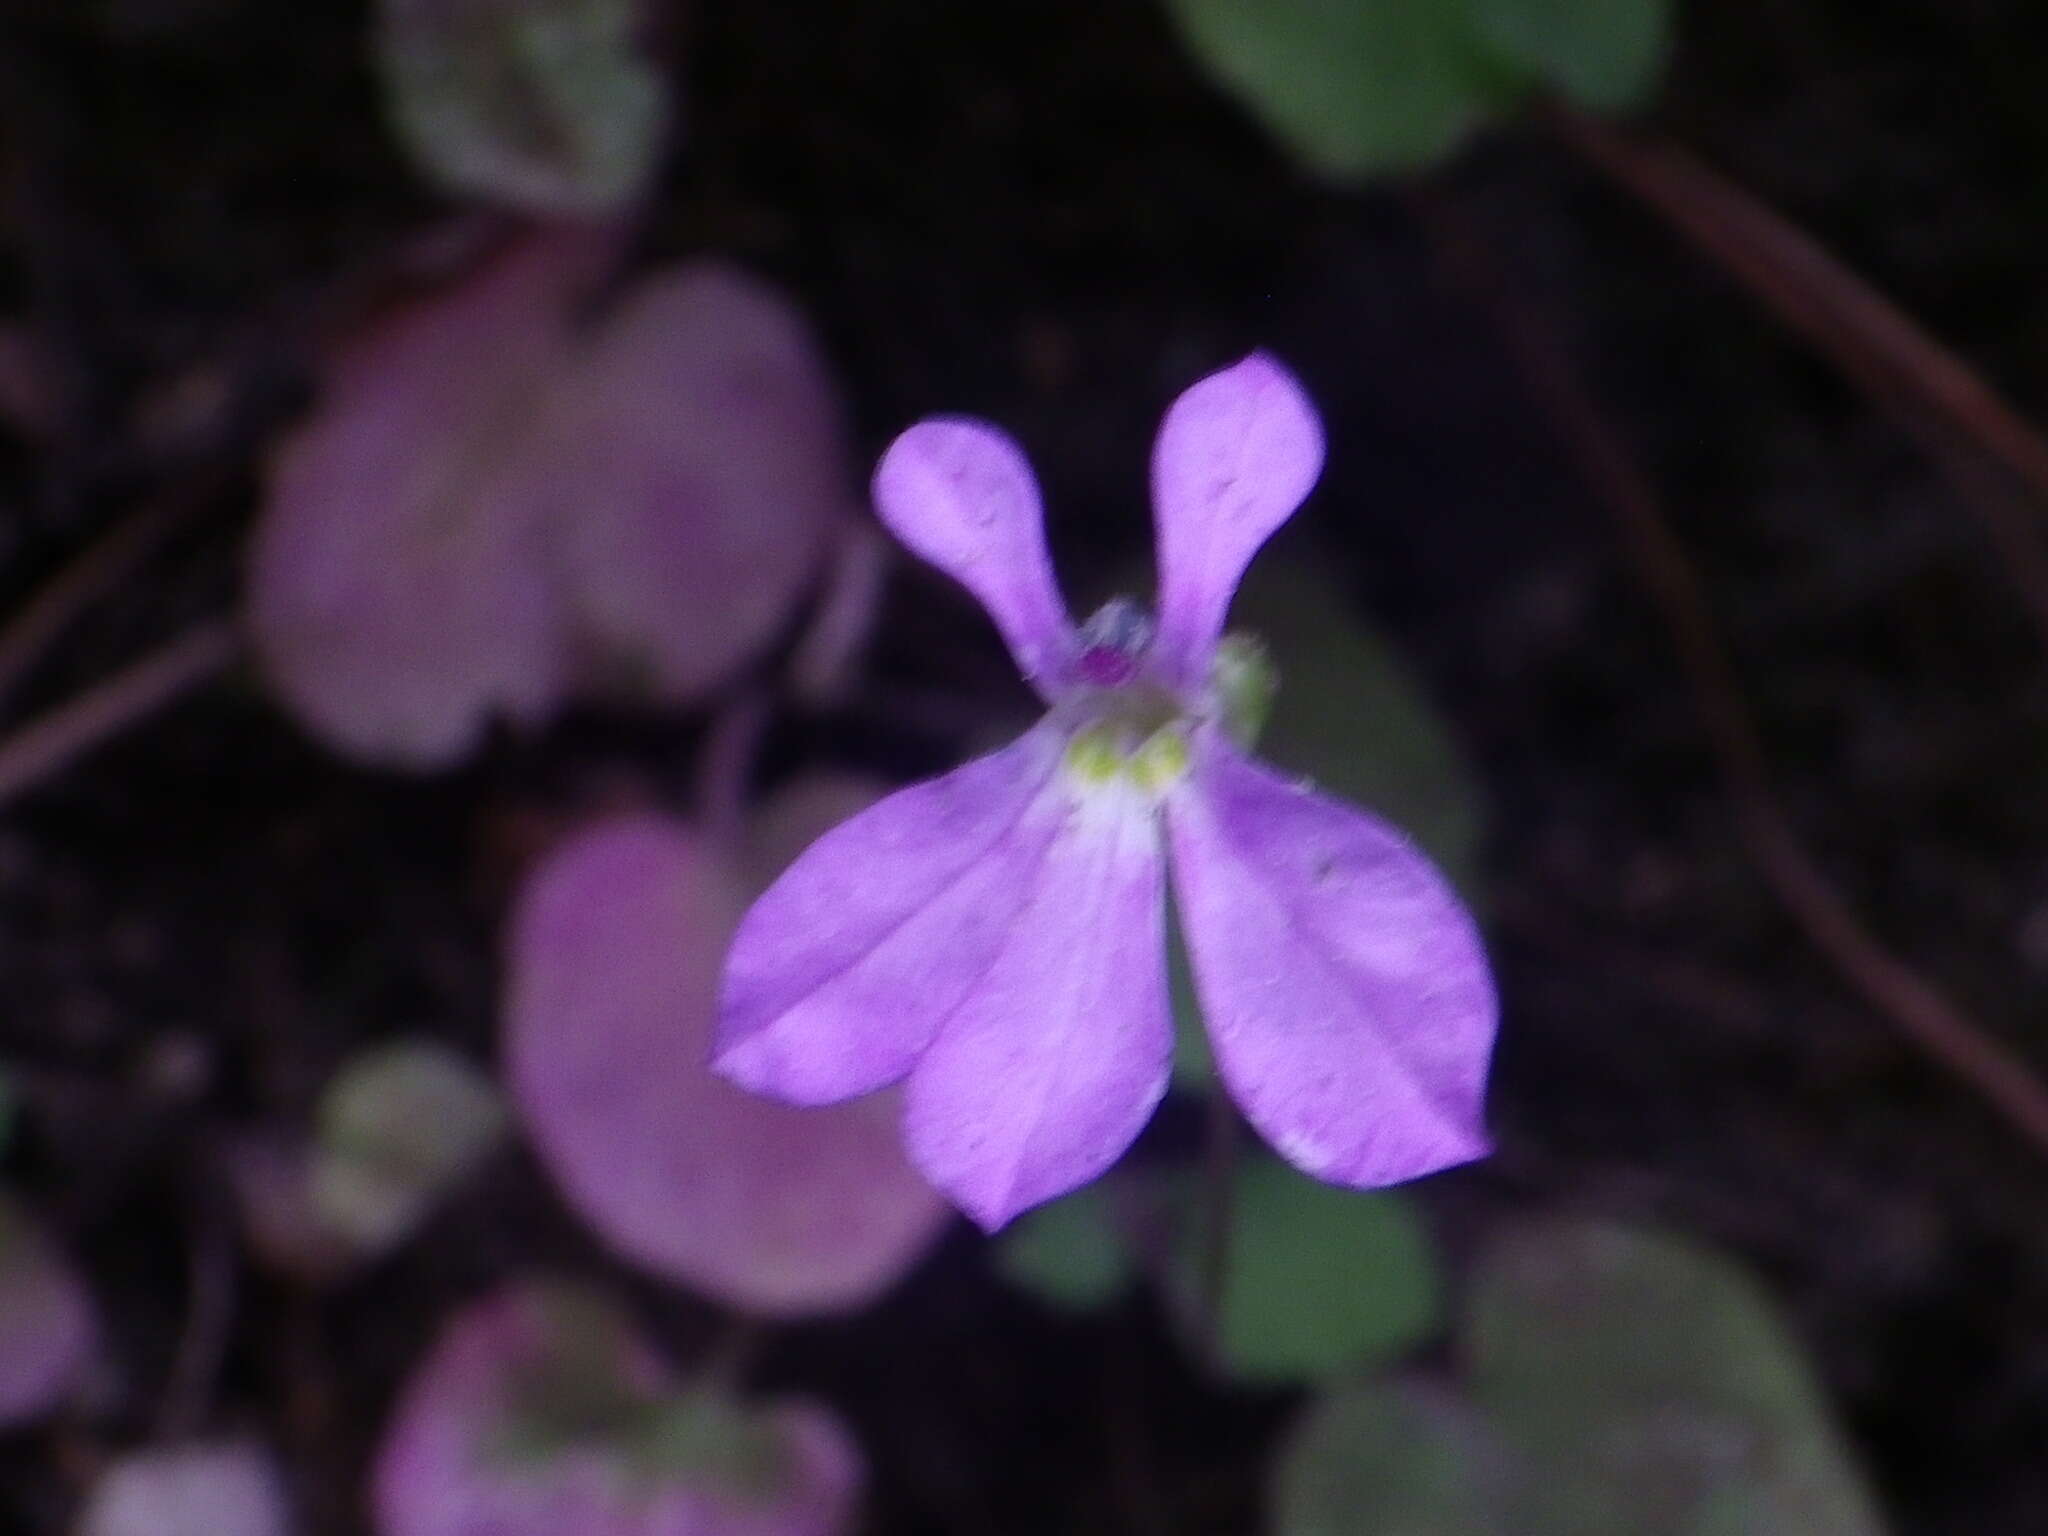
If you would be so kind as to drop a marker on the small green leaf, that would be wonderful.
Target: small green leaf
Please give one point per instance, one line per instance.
(1349, 716)
(1356, 88)
(1072, 1253)
(1658, 1389)
(1385, 1458)
(398, 1127)
(1319, 1281)
(548, 105)
(1606, 54)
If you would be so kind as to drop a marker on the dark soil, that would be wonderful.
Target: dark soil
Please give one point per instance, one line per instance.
(1044, 215)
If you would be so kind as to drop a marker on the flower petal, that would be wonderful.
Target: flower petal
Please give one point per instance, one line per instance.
(960, 495)
(842, 972)
(1056, 1060)
(1236, 455)
(1347, 996)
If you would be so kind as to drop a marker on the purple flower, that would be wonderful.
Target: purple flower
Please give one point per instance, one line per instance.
(998, 935)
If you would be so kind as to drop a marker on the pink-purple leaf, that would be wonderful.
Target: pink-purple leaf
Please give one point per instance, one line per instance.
(497, 503)
(231, 1489)
(540, 1412)
(46, 1319)
(399, 588)
(702, 465)
(613, 964)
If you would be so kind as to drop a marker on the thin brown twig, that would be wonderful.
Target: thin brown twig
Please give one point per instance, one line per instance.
(50, 742)
(98, 568)
(1935, 396)
(1918, 1009)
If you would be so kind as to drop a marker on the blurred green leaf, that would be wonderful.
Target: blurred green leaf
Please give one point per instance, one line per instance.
(1349, 716)
(547, 105)
(1606, 54)
(1658, 1389)
(1384, 1458)
(1356, 88)
(1072, 1253)
(398, 1127)
(1319, 1280)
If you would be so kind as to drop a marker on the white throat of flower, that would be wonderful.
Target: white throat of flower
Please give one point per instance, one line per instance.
(1127, 728)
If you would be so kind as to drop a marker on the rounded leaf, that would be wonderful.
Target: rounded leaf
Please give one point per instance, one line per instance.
(539, 1412)
(1319, 1281)
(1354, 89)
(400, 594)
(398, 1127)
(192, 1490)
(1657, 1387)
(1384, 1457)
(614, 960)
(46, 1319)
(548, 105)
(695, 466)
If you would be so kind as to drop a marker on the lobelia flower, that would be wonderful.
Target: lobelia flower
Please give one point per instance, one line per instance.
(998, 935)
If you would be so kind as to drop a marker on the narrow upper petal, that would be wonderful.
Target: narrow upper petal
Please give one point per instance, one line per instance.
(1060, 1053)
(843, 970)
(1347, 995)
(1236, 455)
(960, 494)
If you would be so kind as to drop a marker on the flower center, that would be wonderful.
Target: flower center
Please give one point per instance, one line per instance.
(1126, 725)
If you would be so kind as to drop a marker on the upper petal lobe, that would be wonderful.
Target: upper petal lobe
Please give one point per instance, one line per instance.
(960, 494)
(841, 973)
(1058, 1056)
(1347, 996)
(1236, 455)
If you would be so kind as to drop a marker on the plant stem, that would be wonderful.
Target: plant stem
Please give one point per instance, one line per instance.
(1934, 395)
(43, 746)
(1918, 1009)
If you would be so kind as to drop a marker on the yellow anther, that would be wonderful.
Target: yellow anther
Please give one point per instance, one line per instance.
(1161, 762)
(1094, 755)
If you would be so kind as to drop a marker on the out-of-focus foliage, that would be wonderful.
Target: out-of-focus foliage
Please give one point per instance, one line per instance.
(1318, 1282)
(1658, 1389)
(1386, 1456)
(191, 1490)
(1361, 88)
(1348, 715)
(540, 1412)
(398, 1128)
(613, 964)
(1072, 1253)
(496, 503)
(46, 1319)
(1619, 1383)
(548, 105)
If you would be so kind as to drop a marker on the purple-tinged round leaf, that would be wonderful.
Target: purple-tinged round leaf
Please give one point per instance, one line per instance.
(614, 960)
(702, 466)
(46, 1319)
(191, 1490)
(400, 594)
(540, 1413)
(494, 505)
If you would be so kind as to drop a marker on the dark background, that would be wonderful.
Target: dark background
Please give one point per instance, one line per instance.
(1044, 215)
